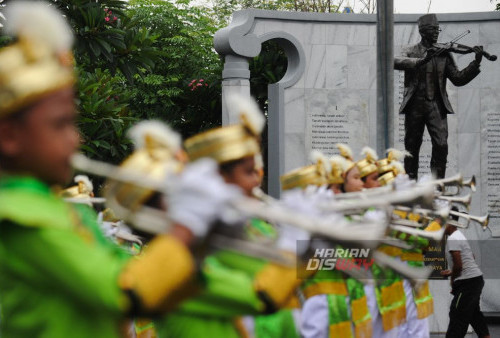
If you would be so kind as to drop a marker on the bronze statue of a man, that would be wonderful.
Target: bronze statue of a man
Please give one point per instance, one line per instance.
(425, 101)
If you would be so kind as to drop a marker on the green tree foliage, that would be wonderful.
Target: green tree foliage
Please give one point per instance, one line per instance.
(224, 8)
(185, 41)
(154, 59)
(266, 68)
(111, 50)
(104, 115)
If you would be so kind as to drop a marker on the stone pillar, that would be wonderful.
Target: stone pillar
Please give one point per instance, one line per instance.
(235, 79)
(385, 75)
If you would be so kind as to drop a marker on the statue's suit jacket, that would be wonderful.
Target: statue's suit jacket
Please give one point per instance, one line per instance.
(446, 69)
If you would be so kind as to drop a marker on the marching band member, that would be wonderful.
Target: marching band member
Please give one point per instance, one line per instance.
(352, 176)
(419, 302)
(368, 168)
(58, 277)
(236, 284)
(325, 311)
(336, 179)
(335, 304)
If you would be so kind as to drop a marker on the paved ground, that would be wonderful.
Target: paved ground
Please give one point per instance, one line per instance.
(494, 332)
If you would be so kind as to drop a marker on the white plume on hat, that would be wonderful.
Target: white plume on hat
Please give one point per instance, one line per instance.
(345, 151)
(246, 109)
(397, 154)
(398, 167)
(39, 22)
(86, 181)
(369, 153)
(340, 161)
(317, 156)
(159, 131)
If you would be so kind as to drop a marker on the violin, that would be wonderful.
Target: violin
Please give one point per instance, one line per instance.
(460, 49)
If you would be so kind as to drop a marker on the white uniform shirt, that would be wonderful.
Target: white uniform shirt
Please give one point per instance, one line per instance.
(457, 242)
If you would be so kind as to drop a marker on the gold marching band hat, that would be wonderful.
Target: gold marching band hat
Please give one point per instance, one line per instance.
(368, 165)
(388, 168)
(233, 142)
(157, 152)
(315, 174)
(391, 166)
(83, 189)
(40, 62)
(386, 178)
(339, 166)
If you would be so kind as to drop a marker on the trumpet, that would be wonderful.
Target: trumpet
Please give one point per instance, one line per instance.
(471, 183)
(481, 220)
(398, 243)
(462, 200)
(442, 213)
(423, 195)
(88, 200)
(457, 224)
(417, 276)
(344, 231)
(252, 249)
(155, 221)
(261, 195)
(380, 191)
(406, 223)
(434, 235)
(454, 181)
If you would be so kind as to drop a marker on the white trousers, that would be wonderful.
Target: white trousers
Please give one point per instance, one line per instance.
(378, 328)
(414, 327)
(314, 322)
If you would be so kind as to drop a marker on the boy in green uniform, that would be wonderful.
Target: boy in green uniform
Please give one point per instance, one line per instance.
(58, 275)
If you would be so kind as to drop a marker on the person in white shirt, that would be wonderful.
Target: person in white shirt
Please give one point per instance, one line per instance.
(466, 285)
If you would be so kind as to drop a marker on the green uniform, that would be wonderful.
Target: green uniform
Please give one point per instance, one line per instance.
(58, 277)
(228, 293)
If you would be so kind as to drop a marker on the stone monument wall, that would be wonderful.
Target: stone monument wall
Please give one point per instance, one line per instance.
(328, 95)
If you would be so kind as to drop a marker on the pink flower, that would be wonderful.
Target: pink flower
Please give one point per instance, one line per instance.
(199, 84)
(206, 84)
(106, 10)
(115, 18)
(110, 12)
(192, 81)
(106, 19)
(201, 80)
